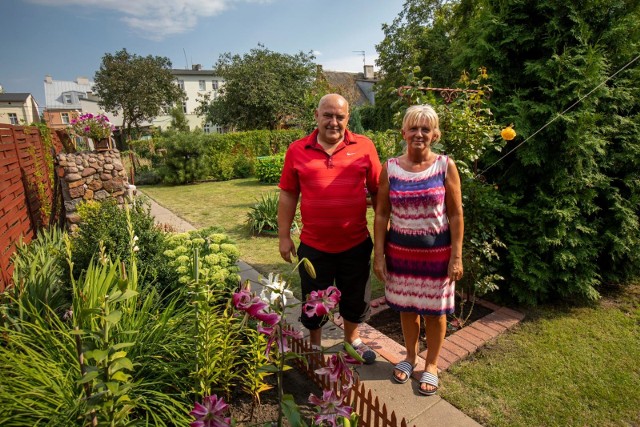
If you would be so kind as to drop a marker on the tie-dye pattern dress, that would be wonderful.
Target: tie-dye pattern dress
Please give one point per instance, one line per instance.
(418, 244)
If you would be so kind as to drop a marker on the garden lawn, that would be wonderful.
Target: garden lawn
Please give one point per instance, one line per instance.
(226, 204)
(560, 367)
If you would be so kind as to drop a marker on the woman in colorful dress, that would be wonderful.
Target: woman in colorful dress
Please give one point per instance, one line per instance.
(418, 241)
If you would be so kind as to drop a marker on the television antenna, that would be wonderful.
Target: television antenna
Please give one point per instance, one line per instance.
(361, 52)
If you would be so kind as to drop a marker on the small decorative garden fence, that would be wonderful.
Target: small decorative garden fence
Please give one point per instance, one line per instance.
(372, 412)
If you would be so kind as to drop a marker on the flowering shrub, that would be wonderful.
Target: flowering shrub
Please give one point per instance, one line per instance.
(217, 256)
(95, 127)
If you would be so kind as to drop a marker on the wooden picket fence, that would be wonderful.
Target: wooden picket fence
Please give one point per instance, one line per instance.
(27, 196)
(372, 412)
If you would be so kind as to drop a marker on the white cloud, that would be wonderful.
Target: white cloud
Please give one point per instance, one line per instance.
(316, 53)
(155, 19)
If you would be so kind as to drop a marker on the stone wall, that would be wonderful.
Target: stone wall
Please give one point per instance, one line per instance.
(90, 175)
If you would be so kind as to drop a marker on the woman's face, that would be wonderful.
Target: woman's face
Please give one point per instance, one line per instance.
(418, 135)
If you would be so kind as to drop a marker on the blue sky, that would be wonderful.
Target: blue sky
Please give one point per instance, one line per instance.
(67, 38)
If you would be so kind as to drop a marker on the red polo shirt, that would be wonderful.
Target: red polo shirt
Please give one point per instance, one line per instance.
(332, 188)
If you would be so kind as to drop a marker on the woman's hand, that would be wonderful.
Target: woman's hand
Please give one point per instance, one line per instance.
(455, 271)
(380, 268)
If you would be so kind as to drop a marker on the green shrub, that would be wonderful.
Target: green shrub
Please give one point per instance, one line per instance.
(269, 168)
(40, 273)
(185, 159)
(106, 222)
(263, 216)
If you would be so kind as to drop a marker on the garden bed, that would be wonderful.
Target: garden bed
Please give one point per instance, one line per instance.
(387, 321)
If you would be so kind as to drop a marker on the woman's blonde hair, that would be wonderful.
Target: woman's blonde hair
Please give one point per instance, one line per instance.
(418, 113)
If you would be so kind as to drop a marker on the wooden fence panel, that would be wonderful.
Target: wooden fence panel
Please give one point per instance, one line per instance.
(26, 193)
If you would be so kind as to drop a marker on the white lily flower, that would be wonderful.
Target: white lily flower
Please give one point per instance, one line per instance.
(275, 288)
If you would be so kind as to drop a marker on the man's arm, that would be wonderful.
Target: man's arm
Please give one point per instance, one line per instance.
(286, 212)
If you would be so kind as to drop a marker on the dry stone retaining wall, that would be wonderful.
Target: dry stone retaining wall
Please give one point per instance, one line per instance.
(91, 175)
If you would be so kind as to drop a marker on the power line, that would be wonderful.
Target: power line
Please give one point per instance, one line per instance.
(560, 114)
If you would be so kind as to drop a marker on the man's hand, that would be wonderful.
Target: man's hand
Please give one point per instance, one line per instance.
(380, 268)
(287, 248)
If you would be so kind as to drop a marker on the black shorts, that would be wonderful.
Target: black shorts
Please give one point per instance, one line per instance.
(349, 271)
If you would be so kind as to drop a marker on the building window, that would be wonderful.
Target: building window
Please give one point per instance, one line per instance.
(214, 85)
(218, 129)
(181, 84)
(13, 118)
(207, 128)
(65, 118)
(202, 85)
(67, 98)
(184, 107)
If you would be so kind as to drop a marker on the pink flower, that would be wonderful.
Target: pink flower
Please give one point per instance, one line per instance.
(330, 407)
(210, 413)
(272, 332)
(255, 307)
(320, 303)
(337, 368)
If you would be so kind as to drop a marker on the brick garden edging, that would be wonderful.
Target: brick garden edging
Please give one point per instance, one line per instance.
(456, 347)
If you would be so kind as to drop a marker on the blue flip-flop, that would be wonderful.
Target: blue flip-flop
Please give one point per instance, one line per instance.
(404, 367)
(429, 379)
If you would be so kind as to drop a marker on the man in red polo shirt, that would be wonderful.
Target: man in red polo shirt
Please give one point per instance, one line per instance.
(329, 169)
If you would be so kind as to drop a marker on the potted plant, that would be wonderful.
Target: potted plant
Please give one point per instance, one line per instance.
(97, 127)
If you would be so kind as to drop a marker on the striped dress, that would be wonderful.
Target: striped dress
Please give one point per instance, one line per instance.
(418, 245)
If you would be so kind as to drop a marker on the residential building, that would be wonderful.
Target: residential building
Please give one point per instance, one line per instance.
(357, 88)
(196, 83)
(63, 100)
(18, 109)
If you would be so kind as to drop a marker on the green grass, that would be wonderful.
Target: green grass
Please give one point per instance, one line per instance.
(560, 367)
(226, 204)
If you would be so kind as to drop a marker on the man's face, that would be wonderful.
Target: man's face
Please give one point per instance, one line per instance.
(332, 117)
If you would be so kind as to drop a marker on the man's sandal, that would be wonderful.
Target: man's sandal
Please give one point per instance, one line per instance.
(405, 368)
(429, 379)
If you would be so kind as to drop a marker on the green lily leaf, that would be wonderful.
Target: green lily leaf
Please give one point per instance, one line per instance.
(120, 376)
(292, 411)
(122, 363)
(122, 345)
(124, 296)
(267, 368)
(117, 355)
(97, 355)
(113, 317)
(89, 376)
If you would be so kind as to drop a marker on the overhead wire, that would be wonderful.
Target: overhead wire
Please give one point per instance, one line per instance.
(560, 115)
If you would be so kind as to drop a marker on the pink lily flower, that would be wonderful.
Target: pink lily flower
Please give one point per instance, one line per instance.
(330, 407)
(337, 367)
(255, 307)
(320, 303)
(272, 332)
(210, 413)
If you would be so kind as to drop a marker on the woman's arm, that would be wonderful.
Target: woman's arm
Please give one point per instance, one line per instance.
(453, 200)
(381, 225)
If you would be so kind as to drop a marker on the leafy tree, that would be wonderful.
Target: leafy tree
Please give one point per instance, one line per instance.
(263, 89)
(179, 120)
(574, 182)
(135, 86)
(418, 37)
